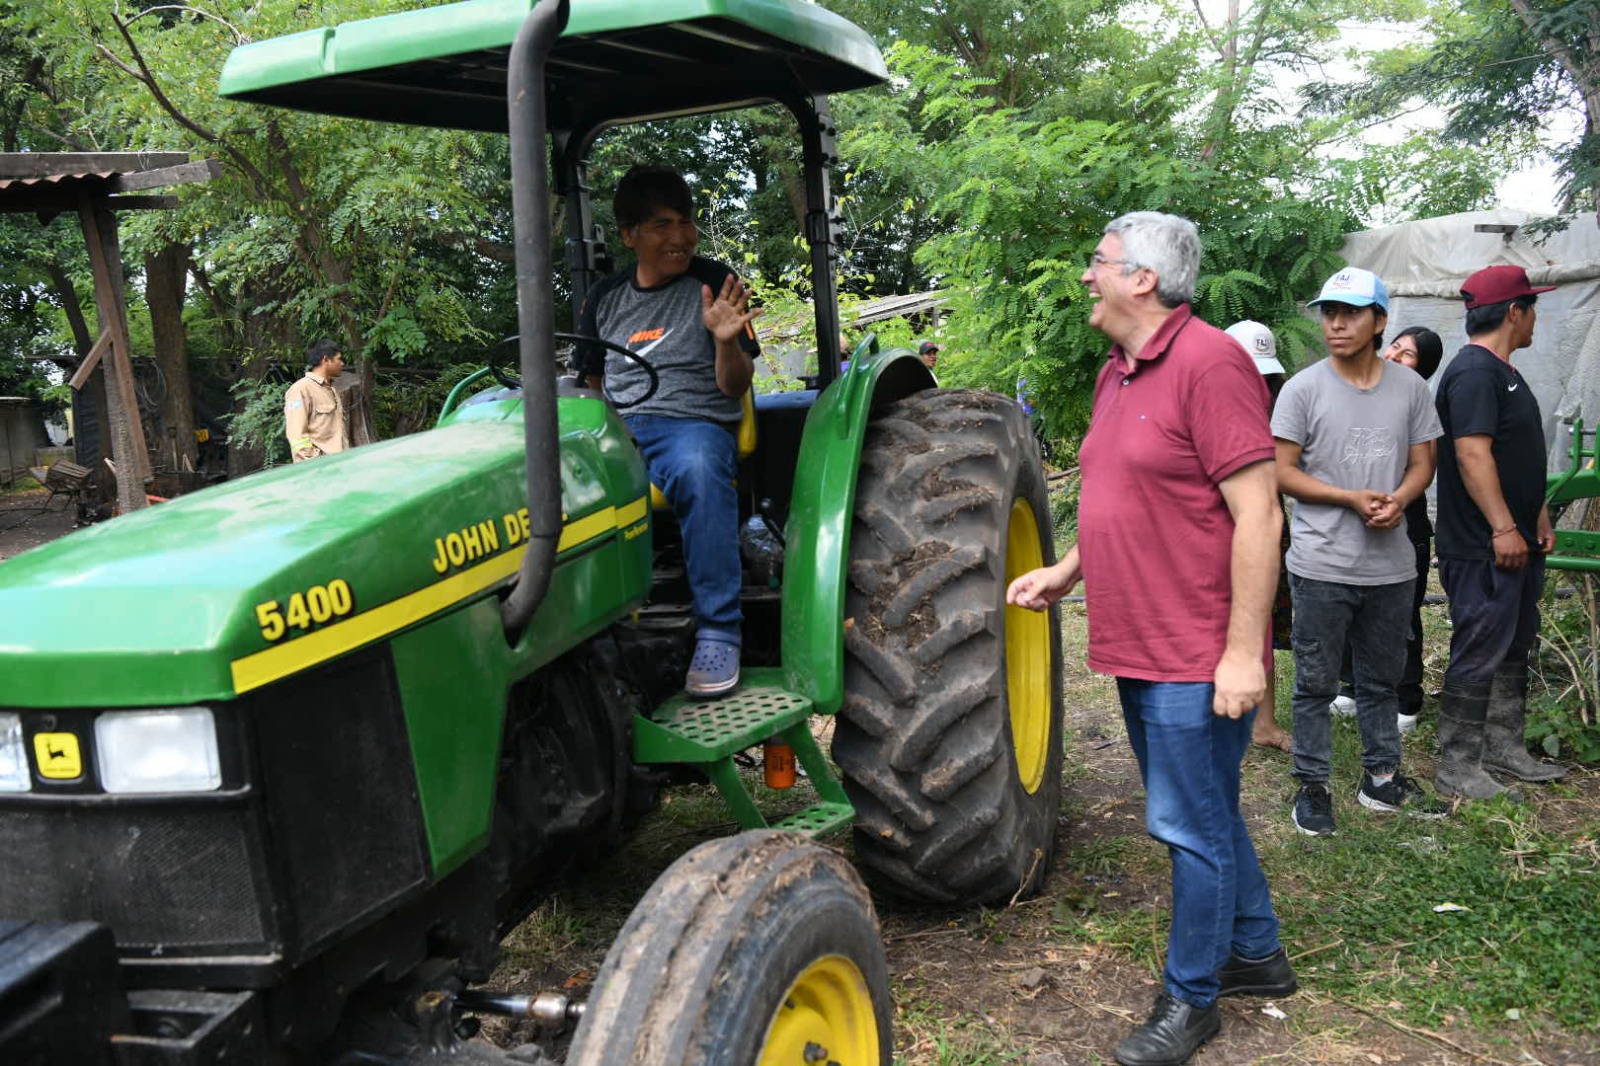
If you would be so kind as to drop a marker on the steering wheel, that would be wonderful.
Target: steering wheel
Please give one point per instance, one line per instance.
(506, 380)
(650, 371)
(509, 381)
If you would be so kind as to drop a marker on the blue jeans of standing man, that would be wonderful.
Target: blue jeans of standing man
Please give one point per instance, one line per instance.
(1494, 615)
(1374, 619)
(1189, 763)
(694, 462)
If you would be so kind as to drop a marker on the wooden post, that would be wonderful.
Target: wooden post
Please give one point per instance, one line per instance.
(105, 257)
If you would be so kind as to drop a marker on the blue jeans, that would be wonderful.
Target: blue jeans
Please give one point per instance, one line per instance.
(1374, 620)
(1189, 763)
(1494, 615)
(694, 462)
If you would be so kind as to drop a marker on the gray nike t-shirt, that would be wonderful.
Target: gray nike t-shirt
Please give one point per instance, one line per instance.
(664, 326)
(1352, 438)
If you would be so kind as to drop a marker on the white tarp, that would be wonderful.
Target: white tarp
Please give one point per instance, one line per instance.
(1425, 262)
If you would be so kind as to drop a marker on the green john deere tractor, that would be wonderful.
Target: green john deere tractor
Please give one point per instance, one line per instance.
(282, 760)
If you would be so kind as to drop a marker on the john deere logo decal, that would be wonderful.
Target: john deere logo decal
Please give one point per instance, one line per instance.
(58, 756)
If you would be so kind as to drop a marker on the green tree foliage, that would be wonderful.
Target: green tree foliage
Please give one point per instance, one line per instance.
(1498, 68)
(1013, 130)
(382, 236)
(1163, 111)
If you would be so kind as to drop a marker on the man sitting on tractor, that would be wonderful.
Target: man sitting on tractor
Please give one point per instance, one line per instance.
(690, 318)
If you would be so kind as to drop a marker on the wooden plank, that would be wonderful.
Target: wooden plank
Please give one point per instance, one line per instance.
(105, 257)
(57, 199)
(141, 203)
(200, 170)
(85, 368)
(46, 164)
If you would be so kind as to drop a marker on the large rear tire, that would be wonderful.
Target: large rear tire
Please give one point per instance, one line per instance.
(761, 948)
(950, 735)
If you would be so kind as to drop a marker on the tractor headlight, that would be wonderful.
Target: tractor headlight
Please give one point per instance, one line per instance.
(167, 750)
(14, 775)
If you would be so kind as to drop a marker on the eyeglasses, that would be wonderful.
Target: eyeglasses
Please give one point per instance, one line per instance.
(1097, 260)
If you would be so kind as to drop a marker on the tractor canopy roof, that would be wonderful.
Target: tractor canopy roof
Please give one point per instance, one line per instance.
(617, 61)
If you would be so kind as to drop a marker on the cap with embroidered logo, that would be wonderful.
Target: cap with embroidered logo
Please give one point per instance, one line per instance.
(1356, 288)
(1257, 340)
(1497, 284)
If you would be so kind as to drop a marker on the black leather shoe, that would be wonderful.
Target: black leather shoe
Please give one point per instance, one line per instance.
(1173, 1032)
(1272, 976)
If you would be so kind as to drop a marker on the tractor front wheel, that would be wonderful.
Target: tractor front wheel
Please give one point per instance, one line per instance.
(758, 949)
(949, 739)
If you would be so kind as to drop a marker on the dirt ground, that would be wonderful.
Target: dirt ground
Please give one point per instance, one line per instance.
(1054, 1003)
(979, 987)
(26, 522)
(1012, 986)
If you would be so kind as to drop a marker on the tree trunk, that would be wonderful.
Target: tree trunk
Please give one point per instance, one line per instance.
(1581, 65)
(166, 277)
(362, 430)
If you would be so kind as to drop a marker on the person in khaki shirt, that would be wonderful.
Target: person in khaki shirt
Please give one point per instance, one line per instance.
(313, 414)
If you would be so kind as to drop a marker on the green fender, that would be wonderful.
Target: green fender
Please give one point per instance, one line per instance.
(817, 535)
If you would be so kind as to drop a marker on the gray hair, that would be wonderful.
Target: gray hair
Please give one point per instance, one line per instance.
(1166, 244)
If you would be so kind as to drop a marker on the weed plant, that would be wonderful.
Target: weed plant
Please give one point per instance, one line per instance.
(1564, 701)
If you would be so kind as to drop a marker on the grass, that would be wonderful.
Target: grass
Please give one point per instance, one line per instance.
(932, 1037)
(1357, 909)
(1364, 902)
(1517, 967)
(21, 485)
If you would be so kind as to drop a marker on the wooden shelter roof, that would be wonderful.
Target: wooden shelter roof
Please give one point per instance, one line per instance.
(49, 183)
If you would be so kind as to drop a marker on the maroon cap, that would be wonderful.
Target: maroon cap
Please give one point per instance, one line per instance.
(1497, 284)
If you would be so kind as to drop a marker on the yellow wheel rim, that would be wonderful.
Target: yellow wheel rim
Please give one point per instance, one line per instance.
(826, 1016)
(1028, 654)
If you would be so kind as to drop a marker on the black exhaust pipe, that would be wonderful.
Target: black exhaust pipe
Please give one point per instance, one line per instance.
(530, 210)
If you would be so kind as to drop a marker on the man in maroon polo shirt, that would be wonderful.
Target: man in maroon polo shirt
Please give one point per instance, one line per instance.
(1178, 525)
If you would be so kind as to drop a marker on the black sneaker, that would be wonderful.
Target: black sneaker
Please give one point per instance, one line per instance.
(1313, 810)
(1172, 1033)
(1272, 976)
(1399, 793)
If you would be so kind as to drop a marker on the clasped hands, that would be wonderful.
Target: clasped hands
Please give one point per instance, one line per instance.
(1379, 510)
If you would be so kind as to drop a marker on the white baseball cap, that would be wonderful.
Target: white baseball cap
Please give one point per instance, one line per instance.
(1259, 342)
(1354, 287)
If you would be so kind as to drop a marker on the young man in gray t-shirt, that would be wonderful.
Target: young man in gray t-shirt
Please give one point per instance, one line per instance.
(691, 319)
(1352, 435)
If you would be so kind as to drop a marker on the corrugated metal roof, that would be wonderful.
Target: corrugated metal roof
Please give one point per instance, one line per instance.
(57, 179)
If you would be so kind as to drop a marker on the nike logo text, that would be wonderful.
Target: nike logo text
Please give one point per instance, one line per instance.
(1512, 388)
(647, 349)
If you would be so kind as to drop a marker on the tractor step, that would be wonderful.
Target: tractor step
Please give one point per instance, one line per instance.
(698, 731)
(708, 733)
(817, 819)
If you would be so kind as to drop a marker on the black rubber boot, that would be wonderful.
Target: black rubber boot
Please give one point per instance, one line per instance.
(1504, 749)
(1173, 1032)
(1463, 707)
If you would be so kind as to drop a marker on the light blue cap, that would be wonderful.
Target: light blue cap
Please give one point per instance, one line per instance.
(1355, 287)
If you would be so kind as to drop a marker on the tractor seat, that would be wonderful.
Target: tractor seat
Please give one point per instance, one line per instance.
(746, 445)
